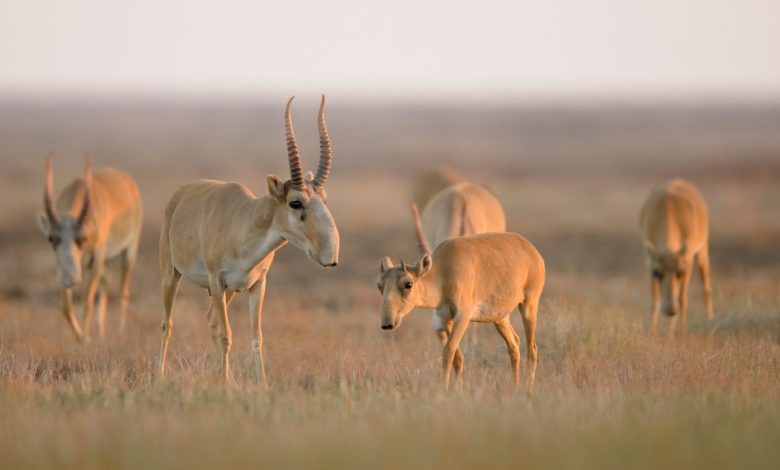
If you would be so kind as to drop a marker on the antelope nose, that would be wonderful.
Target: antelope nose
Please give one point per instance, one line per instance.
(333, 264)
(387, 327)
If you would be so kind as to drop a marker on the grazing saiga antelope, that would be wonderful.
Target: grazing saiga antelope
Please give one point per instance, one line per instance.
(479, 278)
(221, 237)
(674, 223)
(95, 218)
(459, 210)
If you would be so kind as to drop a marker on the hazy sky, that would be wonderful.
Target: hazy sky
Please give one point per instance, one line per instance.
(394, 48)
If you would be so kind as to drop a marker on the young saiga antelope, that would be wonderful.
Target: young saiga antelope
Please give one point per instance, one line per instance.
(221, 237)
(480, 278)
(459, 210)
(95, 218)
(674, 225)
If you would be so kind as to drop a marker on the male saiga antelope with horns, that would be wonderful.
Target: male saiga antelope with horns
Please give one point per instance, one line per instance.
(459, 210)
(479, 278)
(221, 237)
(674, 223)
(95, 218)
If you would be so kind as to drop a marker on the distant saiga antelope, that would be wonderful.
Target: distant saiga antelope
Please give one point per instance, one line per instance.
(459, 210)
(221, 237)
(479, 278)
(95, 218)
(674, 223)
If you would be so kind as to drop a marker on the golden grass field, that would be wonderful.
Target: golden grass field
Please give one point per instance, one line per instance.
(345, 394)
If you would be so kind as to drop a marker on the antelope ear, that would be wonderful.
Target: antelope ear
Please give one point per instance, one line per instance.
(43, 222)
(424, 265)
(386, 264)
(275, 187)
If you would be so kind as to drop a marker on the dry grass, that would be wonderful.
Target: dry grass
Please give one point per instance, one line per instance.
(345, 394)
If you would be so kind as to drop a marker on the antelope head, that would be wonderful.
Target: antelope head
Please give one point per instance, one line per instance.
(302, 216)
(67, 233)
(669, 268)
(400, 289)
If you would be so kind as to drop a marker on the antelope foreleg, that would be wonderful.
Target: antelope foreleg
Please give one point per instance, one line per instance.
(67, 311)
(461, 322)
(101, 302)
(256, 298)
(95, 276)
(220, 314)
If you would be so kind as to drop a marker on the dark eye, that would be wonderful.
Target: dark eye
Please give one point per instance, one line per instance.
(658, 274)
(408, 285)
(296, 205)
(54, 240)
(79, 240)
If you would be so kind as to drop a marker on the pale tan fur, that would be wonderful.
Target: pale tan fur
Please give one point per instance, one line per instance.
(479, 278)
(112, 228)
(674, 223)
(459, 210)
(221, 237)
(462, 209)
(430, 182)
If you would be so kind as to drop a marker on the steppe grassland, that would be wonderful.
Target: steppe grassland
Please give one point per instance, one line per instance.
(345, 394)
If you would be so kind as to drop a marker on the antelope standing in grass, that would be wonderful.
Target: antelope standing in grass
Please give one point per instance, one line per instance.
(674, 225)
(479, 278)
(95, 218)
(459, 210)
(221, 237)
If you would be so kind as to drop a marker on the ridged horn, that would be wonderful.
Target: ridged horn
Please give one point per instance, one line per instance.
(86, 206)
(293, 152)
(326, 151)
(48, 189)
(422, 242)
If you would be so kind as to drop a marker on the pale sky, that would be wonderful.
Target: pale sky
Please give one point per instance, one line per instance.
(395, 48)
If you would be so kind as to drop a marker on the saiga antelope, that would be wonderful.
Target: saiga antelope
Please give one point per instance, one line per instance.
(459, 210)
(221, 237)
(674, 223)
(480, 278)
(95, 218)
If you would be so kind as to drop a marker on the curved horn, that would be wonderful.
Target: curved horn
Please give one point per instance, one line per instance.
(326, 151)
(48, 189)
(86, 206)
(422, 242)
(293, 152)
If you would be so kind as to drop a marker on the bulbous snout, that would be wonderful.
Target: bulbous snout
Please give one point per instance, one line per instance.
(326, 260)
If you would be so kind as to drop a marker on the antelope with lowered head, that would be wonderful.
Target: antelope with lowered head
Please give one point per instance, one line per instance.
(479, 278)
(95, 218)
(221, 237)
(459, 210)
(674, 223)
